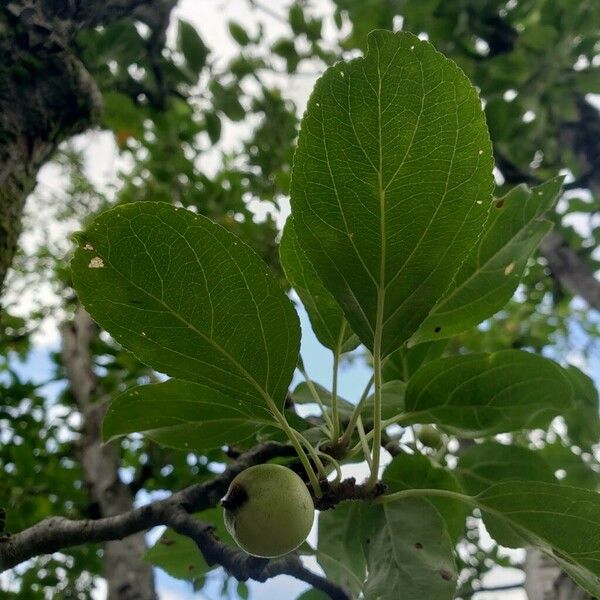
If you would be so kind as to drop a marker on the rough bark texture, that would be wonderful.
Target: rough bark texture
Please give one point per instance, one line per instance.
(127, 575)
(46, 94)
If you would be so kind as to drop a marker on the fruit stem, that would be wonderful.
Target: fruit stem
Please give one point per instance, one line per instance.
(364, 444)
(345, 439)
(334, 403)
(315, 394)
(291, 433)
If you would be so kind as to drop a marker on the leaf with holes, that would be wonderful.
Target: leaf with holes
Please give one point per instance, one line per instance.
(489, 276)
(409, 553)
(483, 394)
(189, 299)
(391, 184)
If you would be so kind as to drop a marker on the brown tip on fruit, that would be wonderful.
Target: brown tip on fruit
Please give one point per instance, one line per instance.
(235, 497)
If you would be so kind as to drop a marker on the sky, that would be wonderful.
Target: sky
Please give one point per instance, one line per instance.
(210, 17)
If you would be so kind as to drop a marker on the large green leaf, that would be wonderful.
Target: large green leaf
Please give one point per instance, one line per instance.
(562, 521)
(189, 299)
(340, 548)
(185, 415)
(409, 553)
(391, 183)
(482, 465)
(409, 471)
(326, 316)
(489, 276)
(179, 556)
(482, 394)
(392, 400)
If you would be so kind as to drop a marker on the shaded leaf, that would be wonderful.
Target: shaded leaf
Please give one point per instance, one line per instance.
(326, 316)
(184, 415)
(483, 394)
(562, 521)
(192, 47)
(408, 471)
(583, 419)
(409, 553)
(189, 299)
(482, 465)
(391, 183)
(489, 276)
(339, 548)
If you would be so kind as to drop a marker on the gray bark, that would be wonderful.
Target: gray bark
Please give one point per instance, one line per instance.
(127, 575)
(544, 580)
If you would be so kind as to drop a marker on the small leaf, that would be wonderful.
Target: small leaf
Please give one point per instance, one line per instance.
(212, 122)
(562, 521)
(490, 275)
(326, 316)
(408, 471)
(192, 47)
(185, 415)
(410, 555)
(483, 394)
(238, 33)
(391, 184)
(189, 299)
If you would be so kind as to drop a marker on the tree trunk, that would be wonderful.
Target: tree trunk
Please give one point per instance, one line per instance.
(128, 577)
(544, 580)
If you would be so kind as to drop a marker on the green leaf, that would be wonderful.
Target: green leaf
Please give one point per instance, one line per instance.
(404, 362)
(303, 395)
(483, 394)
(189, 299)
(482, 465)
(574, 470)
(326, 316)
(489, 276)
(212, 122)
(192, 47)
(184, 415)
(313, 594)
(409, 553)
(392, 401)
(238, 33)
(391, 183)
(583, 419)
(339, 548)
(179, 555)
(408, 471)
(562, 521)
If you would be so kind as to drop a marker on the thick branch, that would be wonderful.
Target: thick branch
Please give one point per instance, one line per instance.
(243, 566)
(57, 533)
(570, 270)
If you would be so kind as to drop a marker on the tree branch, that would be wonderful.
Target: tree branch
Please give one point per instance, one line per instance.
(568, 268)
(57, 533)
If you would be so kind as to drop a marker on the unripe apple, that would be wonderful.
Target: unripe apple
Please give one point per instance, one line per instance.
(429, 436)
(268, 510)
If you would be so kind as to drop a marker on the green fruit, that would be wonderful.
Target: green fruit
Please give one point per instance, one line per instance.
(268, 510)
(429, 436)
